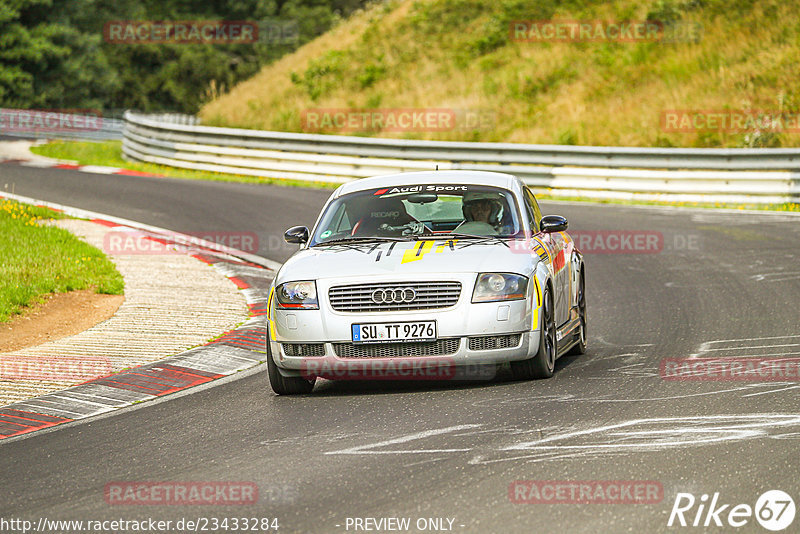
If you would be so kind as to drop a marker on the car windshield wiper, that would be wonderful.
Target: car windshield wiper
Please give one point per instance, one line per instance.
(459, 235)
(359, 239)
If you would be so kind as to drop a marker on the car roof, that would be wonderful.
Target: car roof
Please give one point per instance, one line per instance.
(497, 179)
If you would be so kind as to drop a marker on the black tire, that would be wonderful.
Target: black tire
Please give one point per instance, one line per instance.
(285, 385)
(580, 348)
(543, 363)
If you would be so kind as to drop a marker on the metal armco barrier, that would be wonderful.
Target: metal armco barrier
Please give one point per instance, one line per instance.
(671, 174)
(55, 124)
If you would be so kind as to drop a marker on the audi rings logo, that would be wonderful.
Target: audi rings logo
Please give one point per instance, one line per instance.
(394, 295)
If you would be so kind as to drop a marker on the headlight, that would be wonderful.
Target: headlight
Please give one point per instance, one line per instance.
(297, 295)
(493, 287)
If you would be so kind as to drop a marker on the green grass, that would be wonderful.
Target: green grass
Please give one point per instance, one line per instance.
(109, 153)
(37, 259)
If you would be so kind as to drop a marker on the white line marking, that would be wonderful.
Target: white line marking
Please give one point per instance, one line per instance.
(46, 409)
(770, 391)
(763, 277)
(361, 449)
(99, 169)
(71, 400)
(756, 347)
(675, 432)
(669, 432)
(790, 435)
(572, 398)
(706, 346)
(745, 356)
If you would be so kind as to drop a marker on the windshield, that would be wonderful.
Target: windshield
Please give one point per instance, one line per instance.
(411, 211)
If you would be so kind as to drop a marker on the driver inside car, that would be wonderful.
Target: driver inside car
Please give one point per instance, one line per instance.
(481, 214)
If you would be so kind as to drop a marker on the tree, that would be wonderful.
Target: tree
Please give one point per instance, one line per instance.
(52, 52)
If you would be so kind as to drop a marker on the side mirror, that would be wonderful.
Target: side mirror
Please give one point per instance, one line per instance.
(296, 234)
(554, 223)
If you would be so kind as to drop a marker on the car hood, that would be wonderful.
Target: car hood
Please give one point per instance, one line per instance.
(412, 257)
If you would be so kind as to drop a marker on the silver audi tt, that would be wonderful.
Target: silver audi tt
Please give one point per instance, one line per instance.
(424, 275)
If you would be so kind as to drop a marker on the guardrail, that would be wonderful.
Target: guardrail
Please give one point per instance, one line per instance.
(674, 174)
(56, 124)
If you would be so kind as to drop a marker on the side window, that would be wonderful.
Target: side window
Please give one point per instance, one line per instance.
(537, 211)
(342, 220)
(534, 213)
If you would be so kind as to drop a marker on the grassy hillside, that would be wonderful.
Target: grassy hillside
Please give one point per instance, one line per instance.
(458, 54)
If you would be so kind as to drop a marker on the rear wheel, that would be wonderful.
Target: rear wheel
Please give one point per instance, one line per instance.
(543, 363)
(580, 348)
(285, 385)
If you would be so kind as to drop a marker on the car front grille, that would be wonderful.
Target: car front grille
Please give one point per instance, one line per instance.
(429, 296)
(441, 347)
(304, 349)
(494, 342)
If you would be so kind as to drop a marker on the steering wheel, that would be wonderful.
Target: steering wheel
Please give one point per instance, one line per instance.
(410, 223)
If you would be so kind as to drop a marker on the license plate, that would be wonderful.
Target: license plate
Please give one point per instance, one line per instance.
(394, 332)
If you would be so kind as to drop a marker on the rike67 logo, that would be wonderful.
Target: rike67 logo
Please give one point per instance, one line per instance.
(774, 510)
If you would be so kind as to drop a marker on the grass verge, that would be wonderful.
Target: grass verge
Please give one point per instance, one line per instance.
(38, 259)
(109, 153)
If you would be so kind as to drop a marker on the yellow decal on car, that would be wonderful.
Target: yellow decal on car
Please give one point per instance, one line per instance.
(538, 303)
(418, 251)
(540, 249)
(270, 319)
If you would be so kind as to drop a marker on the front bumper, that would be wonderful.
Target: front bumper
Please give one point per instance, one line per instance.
(328, 332)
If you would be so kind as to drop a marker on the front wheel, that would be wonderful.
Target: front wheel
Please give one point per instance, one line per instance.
(285, 385)
(543, 363)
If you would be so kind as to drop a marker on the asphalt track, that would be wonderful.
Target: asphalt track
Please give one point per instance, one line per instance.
(724, 284)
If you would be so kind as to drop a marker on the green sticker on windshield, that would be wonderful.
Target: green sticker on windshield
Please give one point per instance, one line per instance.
(326, 234)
